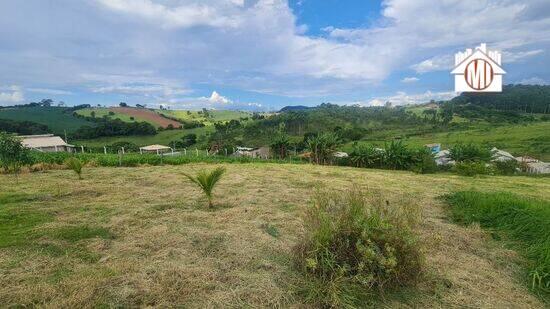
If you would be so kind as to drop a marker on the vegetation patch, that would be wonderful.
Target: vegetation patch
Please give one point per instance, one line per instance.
(357, 246)
(76, 233)
(17, 224)
(523, 220)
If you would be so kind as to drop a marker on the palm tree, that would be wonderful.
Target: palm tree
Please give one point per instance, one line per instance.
(207, 182)
(76, 165)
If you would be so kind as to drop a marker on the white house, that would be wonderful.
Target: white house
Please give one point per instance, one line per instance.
(46, 143)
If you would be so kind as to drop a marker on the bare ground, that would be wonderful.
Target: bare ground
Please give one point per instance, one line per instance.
(148, 115)
(168, 250)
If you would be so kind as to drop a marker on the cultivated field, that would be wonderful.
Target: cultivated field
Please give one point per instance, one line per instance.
(142, 237)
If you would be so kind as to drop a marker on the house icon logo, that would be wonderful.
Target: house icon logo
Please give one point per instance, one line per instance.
(478, 70)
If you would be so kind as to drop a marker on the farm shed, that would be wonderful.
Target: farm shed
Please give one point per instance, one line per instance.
(262, 152)
(158, 149)
(46, 143)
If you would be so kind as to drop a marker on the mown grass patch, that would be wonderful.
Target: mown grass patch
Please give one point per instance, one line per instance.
(17, 224)
(76, 233)
(525, 221)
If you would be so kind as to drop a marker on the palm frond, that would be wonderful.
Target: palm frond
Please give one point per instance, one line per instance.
(207, 181)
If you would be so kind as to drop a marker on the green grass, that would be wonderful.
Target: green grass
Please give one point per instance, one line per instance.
(76, 233)
(54, 117)
(216, 115)
(524, 220)
(527, 139)
(103, 111)
(163, 138)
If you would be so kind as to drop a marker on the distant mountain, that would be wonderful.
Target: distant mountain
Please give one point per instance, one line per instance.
(294, 108)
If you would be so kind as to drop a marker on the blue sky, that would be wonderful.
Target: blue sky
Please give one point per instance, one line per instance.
(259, 54)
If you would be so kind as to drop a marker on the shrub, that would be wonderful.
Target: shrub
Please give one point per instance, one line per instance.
(508, 167)
(12, 153)
(470, 153)
(207, 182)
(366, 156)
(75, 165)
(425, 163)
(355, 245)
(524, 220)
(471, 168)
(397, 156)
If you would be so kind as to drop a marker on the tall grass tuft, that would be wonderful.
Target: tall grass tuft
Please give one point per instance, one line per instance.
(75, 165)
(524, 220)
(356, 246)
(207, 181)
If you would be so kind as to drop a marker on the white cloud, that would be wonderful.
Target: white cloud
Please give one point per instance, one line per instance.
(410, 79)
(214, 101)
(11, 95)
(402, 98)
(216, 98)
(436, 63)
(534, 81)
(158, 49)
(49, 91)
(509, 56)
(182, 16)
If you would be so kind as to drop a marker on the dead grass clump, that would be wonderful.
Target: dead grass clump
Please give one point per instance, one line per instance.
(356, 246)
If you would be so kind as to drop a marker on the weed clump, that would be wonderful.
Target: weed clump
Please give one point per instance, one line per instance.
(356, 246)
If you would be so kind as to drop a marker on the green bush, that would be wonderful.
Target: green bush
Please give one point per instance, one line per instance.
(356, 245)
(508, 167)
(470, 153)
(425, 162)
(471, 168)
(524, 220)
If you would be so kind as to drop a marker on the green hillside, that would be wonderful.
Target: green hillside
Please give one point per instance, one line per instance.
(56, 118)
(104, 111)
(162, 137)
(212, 117)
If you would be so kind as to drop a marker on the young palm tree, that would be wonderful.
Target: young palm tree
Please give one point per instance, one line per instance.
(207, 181)
(75, 165)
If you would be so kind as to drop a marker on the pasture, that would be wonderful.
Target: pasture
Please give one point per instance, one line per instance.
(136, 237)
(524, 139)
(130, 114)
(55, 118)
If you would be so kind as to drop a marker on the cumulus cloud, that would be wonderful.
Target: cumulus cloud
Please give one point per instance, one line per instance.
(216, 98)
(11, 95)
(159, 49)
(214, 101)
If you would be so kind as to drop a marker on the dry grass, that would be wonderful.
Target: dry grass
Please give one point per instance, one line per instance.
(162, 248)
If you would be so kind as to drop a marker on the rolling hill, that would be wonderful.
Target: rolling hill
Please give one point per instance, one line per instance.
(130, 114)
(58, 119)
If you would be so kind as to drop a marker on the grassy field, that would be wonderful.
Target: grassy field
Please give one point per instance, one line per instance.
(163, 138)
(216, 115)
(136, 237)
(526, 139)
(100, 112)
(53, 117)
